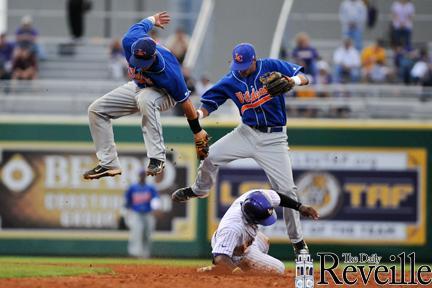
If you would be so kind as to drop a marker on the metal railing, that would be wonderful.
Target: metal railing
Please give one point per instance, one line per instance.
(353, 101)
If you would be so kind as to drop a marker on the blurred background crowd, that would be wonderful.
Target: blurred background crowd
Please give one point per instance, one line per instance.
(389, 56)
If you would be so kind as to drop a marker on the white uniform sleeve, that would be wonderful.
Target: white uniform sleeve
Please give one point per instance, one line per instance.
(225, 242)
(272, 196)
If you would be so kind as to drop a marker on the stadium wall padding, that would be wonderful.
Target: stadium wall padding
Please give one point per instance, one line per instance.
(341, 134)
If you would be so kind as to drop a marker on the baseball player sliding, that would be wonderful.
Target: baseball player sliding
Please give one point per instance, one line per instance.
(257, 87)
(157, 85)
(238, 245)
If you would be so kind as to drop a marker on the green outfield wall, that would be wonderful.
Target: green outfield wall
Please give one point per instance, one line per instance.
(370, 180)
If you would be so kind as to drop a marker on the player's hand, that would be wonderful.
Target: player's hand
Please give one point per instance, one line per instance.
(309, 212)
(201, 140)
(162, 19)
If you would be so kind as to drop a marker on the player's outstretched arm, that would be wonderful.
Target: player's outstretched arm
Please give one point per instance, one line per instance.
(304, 210)
(201, 137)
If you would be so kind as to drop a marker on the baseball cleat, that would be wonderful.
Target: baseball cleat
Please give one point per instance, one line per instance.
(299, 246)
(155, 167)
(100, 171)
(184, 194)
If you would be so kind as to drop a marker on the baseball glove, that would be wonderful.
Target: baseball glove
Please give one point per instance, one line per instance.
(202, 144)
(276, 83)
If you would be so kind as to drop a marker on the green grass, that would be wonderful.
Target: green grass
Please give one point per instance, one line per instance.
(16, 267)
(19, 270)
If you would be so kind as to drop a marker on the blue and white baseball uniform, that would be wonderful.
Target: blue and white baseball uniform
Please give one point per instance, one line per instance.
(242, 241)
(150, 92)
(261, 136)
(141, 200)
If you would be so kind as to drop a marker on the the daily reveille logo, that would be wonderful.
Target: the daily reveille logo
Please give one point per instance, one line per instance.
(363, 269)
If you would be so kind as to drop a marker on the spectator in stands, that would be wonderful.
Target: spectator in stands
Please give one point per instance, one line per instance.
(421, 71)
(76, 10)
(178, 44)
(26, 37)
(323, 74)
(202, 85)
(372, 13)
(24, 64)
(353, 16)
(379, 73)
(371, 55)
(403, 60)
(305, 55)
(402, 22)
(323, 77)
(118, 64)
(26, 34)
(346, 60)
(6, 54)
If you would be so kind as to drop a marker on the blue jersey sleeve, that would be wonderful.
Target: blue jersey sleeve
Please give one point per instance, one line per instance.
(214, 97)
(136, 31)
(286, 68)
(177, 87)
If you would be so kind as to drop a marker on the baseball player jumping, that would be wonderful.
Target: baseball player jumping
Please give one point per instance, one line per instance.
(257, 87)
(157, 85)
(238, 245)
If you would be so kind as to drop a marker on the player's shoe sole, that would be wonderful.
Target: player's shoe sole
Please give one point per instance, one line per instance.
(99, 172)
(155, 167)
(184, 194)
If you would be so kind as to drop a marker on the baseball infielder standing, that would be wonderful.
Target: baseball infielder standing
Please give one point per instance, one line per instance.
(157, 85)
(257, 87)
(238, 245)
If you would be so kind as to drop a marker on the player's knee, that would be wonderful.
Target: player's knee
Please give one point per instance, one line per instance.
(145, 104)
(93, 108)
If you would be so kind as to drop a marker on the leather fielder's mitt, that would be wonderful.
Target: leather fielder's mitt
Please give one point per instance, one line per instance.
(202, 144)
(276, 83)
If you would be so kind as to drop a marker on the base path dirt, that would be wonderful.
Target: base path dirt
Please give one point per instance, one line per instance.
(149, 276)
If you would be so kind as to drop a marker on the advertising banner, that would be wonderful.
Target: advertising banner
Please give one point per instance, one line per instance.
(364, 195)
(43, 194)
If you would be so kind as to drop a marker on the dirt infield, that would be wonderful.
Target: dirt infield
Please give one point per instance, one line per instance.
(152, 276)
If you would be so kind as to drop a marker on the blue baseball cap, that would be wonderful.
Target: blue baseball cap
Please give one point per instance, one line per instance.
(143, 51)
(257, 209)
(243, 55)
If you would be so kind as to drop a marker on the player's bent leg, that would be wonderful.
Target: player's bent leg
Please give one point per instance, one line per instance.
(262, 242)
(258, 261)
(150, 102)
(115, 104)
(232, 146)
(235, 145)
